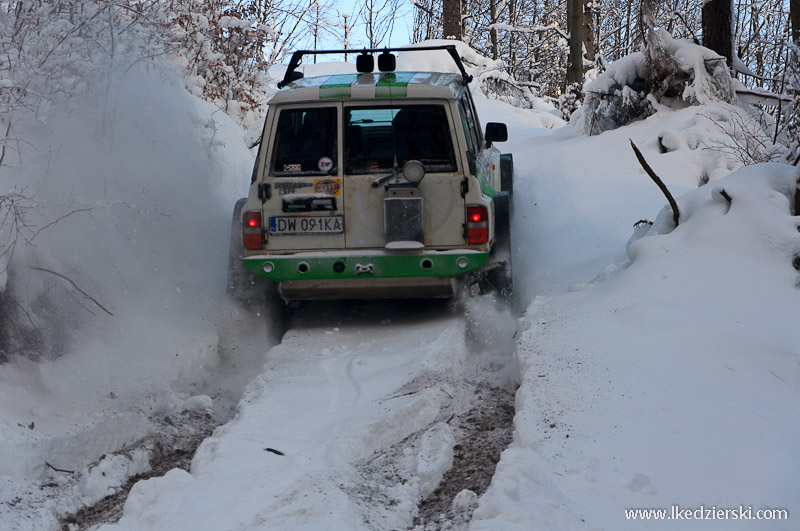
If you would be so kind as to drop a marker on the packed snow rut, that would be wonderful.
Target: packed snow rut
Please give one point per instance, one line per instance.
(386, 415)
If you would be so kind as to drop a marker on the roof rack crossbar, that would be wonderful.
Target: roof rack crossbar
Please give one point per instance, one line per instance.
(297, 56)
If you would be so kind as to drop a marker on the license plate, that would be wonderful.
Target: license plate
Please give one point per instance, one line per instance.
(286, 225)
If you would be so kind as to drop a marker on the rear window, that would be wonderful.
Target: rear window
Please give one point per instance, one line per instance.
(305, 142)
(373, 136)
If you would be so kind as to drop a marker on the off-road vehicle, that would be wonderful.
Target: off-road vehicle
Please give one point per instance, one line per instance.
(375, 185)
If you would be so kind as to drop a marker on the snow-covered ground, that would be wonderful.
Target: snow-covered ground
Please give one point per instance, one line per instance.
(667, 376)
(657, 374)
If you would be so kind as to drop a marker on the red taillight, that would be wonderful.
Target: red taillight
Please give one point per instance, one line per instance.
(252, 230)
(477, 224)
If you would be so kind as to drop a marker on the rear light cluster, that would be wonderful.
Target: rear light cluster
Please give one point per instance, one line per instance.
(252, 230)
(477, 224)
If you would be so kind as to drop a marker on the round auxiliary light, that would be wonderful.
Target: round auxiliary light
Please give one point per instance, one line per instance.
(462, 262)
(268, 267)
(413, 171)
(427, 263)
(302, 267)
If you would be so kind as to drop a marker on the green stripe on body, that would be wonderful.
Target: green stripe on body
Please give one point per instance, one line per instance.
(384, 266)
(337, 86)
(395, 80)
(390, 85)
(393, 85)
(334, 91)
(390, 91)
(486, 186)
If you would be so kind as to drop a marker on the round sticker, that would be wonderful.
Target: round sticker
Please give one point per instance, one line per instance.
(325, 164)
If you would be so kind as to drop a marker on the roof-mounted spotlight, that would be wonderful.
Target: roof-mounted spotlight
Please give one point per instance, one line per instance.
(365, 63)
(387, 62)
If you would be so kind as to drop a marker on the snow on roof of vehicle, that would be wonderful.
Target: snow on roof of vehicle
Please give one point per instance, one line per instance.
(373, 85)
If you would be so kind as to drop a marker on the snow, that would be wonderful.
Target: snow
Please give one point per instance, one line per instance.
(654, 372)
(149, 172)
(673, 381)
(298, 468)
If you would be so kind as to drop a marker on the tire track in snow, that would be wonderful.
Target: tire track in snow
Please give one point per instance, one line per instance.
(338, 368)
(363, 401)
(324, 410)
(431, 479)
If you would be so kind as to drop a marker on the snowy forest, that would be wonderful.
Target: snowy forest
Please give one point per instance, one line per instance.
(647, 321)
(545, 49)
(541, 48)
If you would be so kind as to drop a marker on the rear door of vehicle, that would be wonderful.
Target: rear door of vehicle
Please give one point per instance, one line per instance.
(380, 135)
(302, 185)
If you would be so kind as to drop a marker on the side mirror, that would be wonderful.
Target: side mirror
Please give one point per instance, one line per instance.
(365, 63)
(495, 132)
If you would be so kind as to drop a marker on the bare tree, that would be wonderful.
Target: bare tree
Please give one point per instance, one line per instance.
(427, 20)
(717, 27)
(493, 16)
(377, 17)
(794, 15)
(576, 37)
(343, 32)
(289, 21)
(451, 19)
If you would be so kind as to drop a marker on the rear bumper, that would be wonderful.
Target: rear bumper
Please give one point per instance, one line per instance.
(368, 288)
(365, 265)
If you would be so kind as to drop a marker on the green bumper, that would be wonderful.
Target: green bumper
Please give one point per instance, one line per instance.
(312, 266)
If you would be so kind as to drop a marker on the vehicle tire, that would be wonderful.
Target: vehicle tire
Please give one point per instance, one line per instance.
(500, 259)
(507, 172)
(252, 299)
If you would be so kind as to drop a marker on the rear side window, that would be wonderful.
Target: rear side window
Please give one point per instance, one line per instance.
(373, 136)
(305, 142)
(470, 127)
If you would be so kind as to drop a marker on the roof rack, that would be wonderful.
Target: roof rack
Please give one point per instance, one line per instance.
(292, 75)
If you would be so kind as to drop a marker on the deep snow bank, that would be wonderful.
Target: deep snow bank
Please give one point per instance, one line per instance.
(673, 382)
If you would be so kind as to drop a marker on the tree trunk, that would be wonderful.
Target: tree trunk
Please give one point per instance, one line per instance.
(717, 28)
(794, 16)
(451, 19)
(493, 31)
(628, 39)
(576, 30)
(588, 30)
(512, 45)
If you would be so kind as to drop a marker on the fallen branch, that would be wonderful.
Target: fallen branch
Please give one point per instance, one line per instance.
(401, 395)
(656, 179)
(64, 277)
(273, 451)
(59, 469)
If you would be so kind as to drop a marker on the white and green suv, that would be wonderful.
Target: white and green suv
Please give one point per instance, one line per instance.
(375, 185)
